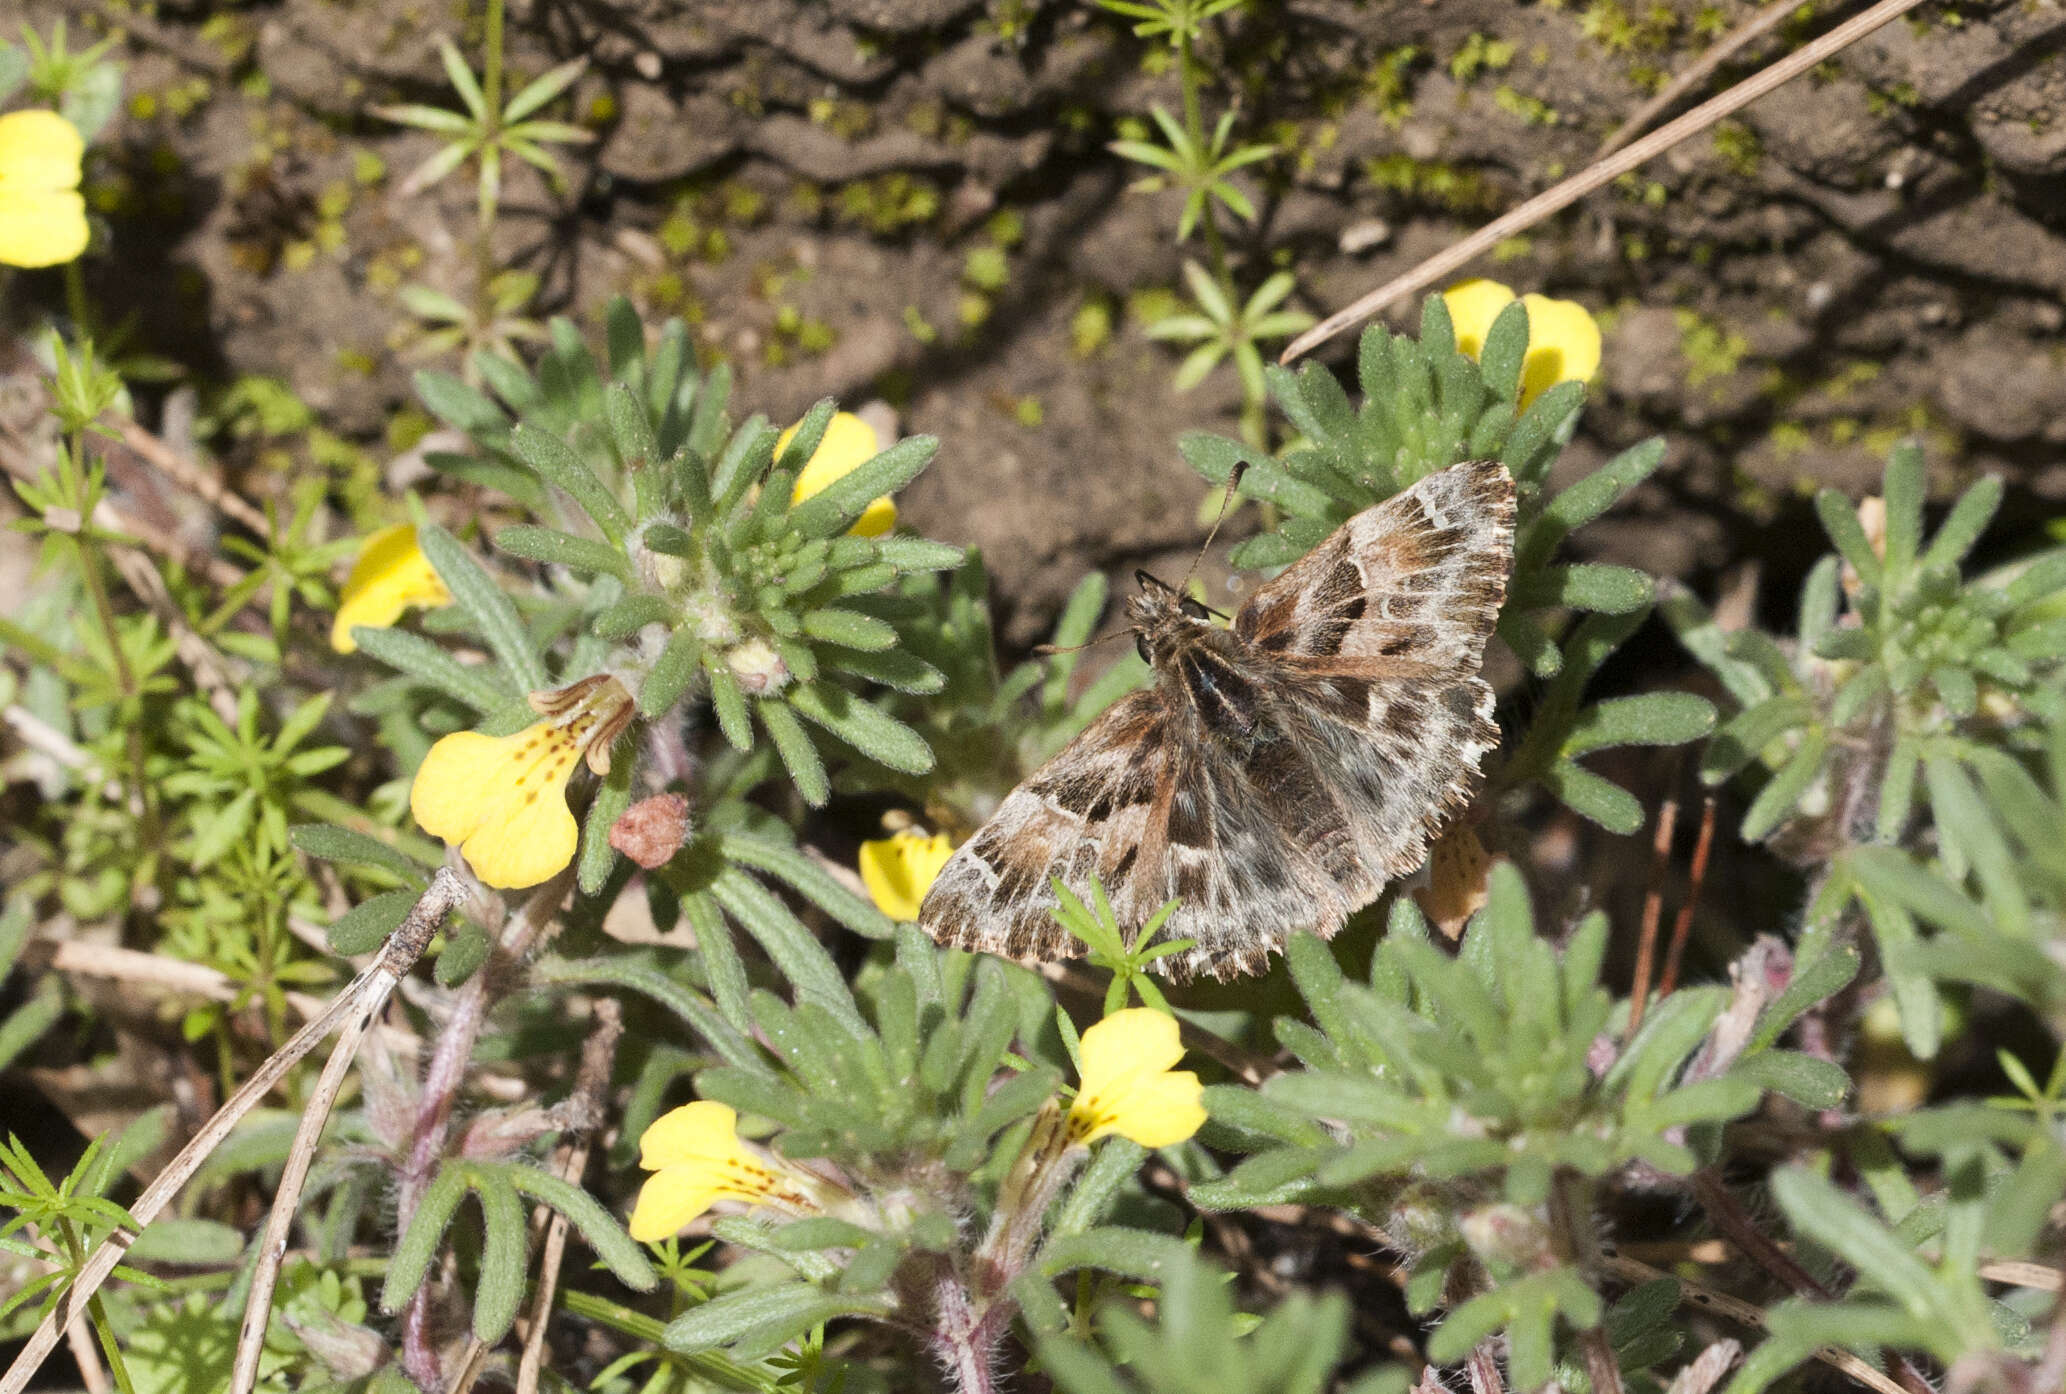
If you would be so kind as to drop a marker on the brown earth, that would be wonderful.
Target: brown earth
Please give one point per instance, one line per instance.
(1878, 248)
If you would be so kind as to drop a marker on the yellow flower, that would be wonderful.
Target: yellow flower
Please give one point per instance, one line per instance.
(503, 798)
(849, 442)
(1128, 1087)
(900, 869)
(42, 216)
(390, 575)
(1563, 340)
(697, 1159)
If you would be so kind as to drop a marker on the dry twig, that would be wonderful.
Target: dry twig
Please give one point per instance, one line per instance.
(191, 476)
(1746, 34)
(1597, 175)
(363, 998)
(591, 1087)
(1653, 911)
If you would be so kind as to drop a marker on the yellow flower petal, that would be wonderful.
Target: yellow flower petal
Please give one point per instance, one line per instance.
(699, 1160)
(1563, 345)
(702, 1129)
(848, 443)
(1473, 305)
(1128, 1087)
(42, 218)
(899, 870)
(390, 575)
(668, 1201)
(39, 150)
(39, 228)
(503, 799)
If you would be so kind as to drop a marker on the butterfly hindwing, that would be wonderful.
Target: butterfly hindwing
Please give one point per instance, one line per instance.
(1088, 809)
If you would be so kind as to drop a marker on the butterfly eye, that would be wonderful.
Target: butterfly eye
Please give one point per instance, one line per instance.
(1140, 646)
(1192, 608)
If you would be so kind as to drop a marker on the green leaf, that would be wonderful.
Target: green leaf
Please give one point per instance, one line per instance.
(1590, 796)
(193, 1243)
(557, 463)
(1840, 520)
(1962, 527)
(1819, 973)
(919, 554)
(26, 1025)
(835, 507)
(474, 686)
(769, 1313)
(596, 1226)
(672, 672)
(499, 1286)
(633, 613)
(799, 756)
(1904, 487)
(1657, 718)
(493, 614)
(1506, 345)
(597, 857)
(1784, 790)
(1814, 1083)
(466, 949)
(1826, 1215)
(419, 1242)
(849, 629)
(458, 405)
(863, 725)
(327, 842)
(799, 956)
(365, 927)
(563, 549)
(1608, 590)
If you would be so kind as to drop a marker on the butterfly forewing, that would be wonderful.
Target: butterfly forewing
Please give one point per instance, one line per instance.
(1278, 774)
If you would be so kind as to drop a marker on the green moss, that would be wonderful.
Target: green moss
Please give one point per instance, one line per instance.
(1738, 146)
(1006, 228)
(1385, 86)
(1431, 181)
(1711, 349)
(407, 428)
(1790, 439)
(1532, 111)
(1480, 53)
(888, 203)
(921, 328)
(1090, 328)
(986, 269)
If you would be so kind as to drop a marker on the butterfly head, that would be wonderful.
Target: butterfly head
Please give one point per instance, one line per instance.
(1163, 617)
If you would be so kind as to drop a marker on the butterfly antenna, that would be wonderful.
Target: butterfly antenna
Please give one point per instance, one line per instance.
(1045, 650)
(1226, 505)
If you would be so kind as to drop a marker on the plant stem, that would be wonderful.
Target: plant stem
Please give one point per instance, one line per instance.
(442, 1078)
(1570, 1214)
(961, 1338)
(98, 1316)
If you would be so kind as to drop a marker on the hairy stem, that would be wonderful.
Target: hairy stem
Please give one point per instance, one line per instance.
(442, 1079)
(962, 1338)
(1571, 1224)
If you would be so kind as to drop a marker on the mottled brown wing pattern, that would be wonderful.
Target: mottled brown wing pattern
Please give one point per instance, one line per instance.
(1421, 575)
(1088, 809)
(1278, 776)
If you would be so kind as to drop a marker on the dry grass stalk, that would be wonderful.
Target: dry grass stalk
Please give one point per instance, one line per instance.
(1557, 197)
(362, 998)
